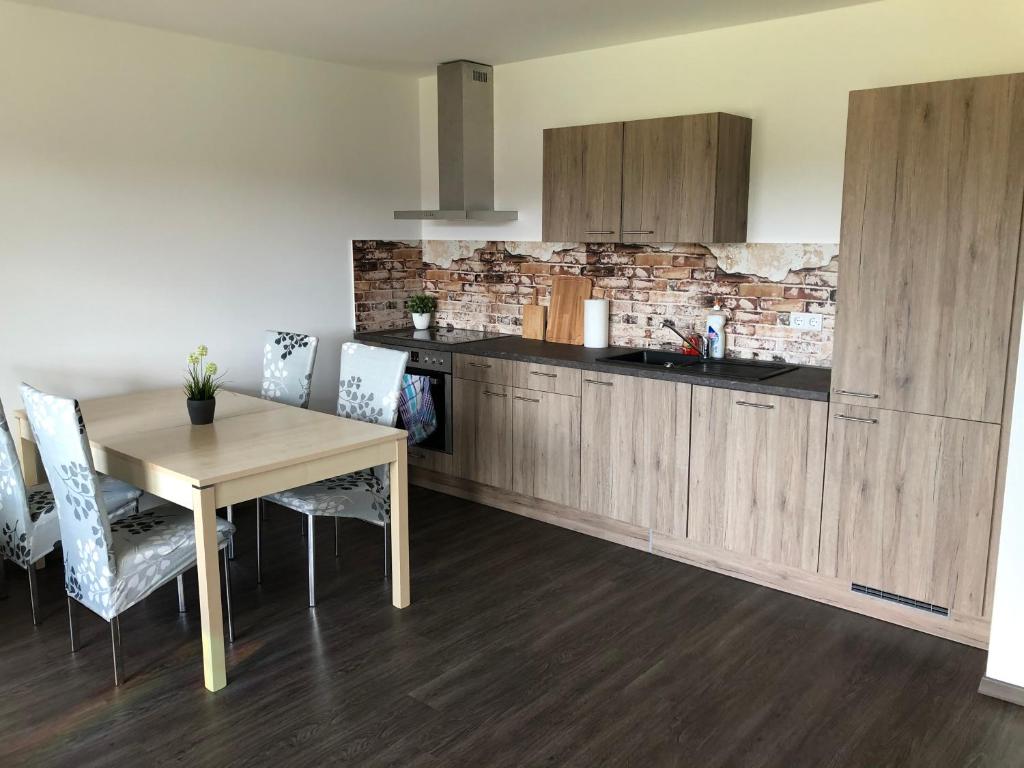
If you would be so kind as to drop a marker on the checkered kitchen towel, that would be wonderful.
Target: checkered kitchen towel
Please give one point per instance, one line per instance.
(416, 407)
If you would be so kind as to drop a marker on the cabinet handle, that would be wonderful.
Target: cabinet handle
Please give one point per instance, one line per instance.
(857, 419)
(541, 373)
(494, 394)
(600, 231)
(638, 231)
(479, 365)
(602, 383)
(527, 399)
(849, 393)
(765, 406)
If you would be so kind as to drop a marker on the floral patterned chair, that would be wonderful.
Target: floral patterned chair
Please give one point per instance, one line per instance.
(371, 380)
(29, 527)
(109, 564)
(288, 360)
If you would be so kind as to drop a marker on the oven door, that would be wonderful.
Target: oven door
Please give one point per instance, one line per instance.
(441, 393)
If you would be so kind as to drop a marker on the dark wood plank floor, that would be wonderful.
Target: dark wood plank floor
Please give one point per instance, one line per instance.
(526, 645)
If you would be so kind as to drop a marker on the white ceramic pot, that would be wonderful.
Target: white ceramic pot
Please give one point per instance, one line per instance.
(421, 320)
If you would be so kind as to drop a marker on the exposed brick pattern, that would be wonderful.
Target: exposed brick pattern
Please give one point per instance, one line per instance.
(645, 286)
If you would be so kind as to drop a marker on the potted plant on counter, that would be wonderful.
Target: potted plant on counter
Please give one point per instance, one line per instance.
(201, 385)
(422, 306)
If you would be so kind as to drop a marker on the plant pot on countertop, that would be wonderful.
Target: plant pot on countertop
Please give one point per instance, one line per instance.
(201, 411)
(421, 320)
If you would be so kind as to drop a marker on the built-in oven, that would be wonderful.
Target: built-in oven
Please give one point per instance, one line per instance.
(436, 366)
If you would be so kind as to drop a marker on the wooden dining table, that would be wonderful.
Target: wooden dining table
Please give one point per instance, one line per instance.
(253, 448)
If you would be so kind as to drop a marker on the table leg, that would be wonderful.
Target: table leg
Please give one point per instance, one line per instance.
(204, 509)
(399, 475)
(28, 454)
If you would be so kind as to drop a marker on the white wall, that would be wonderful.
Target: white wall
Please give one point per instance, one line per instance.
(792, 76)
(158, 191)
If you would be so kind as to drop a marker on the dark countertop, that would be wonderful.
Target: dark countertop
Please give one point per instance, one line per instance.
(806, 382)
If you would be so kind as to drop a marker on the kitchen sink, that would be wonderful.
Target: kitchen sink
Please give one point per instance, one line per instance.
(744, 370)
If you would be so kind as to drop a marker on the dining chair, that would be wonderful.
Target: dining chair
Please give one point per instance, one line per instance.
(109, 564)
(368, 390)
(288, 360)
(29, 526)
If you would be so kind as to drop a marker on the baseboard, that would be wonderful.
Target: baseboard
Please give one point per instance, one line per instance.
(997, 689)
(969, 630)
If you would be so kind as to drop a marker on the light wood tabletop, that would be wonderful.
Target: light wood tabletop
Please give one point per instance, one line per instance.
(253, 448)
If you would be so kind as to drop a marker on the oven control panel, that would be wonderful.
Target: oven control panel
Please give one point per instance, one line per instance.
(425, 359)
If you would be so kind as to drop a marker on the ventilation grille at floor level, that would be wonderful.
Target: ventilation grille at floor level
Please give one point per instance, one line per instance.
(908, 601)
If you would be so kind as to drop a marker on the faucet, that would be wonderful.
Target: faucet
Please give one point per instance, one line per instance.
(687, 341)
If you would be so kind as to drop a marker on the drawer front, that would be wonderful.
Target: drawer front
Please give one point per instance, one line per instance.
(548, 378)
(436, 461)
(489, 370)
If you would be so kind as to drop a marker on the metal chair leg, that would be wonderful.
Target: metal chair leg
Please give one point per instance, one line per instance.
(72, 625)
(115, 642)
(312, 562)
(259, 540)
(231, 541)
(33, 594)
(227, 596)
(181, 593)
(302, 524)
(337, 537)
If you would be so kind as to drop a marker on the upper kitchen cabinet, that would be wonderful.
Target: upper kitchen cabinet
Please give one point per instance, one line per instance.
(665, 180)
(685, 179)
(583, 183)
(930, 234)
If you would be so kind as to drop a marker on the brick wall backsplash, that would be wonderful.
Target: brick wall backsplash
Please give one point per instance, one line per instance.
(484, 286)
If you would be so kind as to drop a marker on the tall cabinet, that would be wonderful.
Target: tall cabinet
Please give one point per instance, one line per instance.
(931, 232)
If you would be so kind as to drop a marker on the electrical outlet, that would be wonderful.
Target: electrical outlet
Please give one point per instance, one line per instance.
(805, 321)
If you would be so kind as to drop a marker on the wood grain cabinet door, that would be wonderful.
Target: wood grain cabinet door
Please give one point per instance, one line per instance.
(546, 446)
(635, 448)
(932, 200)
(582, 183)
(908, 504)
(756, 468)
(685, 179)
(482, 421)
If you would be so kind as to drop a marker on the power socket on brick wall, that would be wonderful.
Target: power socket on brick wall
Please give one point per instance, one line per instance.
(805, 321)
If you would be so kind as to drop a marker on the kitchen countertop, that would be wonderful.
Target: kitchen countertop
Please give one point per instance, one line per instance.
(806, 382)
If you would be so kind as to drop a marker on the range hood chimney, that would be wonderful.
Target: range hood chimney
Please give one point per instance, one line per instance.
(465, 145)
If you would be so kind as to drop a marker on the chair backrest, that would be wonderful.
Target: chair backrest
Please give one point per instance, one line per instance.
(15, 517)
(84, 527)
(288, 360)
(371, 380)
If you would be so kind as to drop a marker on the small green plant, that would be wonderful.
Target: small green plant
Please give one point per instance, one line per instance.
(201, 380)
(421, 304)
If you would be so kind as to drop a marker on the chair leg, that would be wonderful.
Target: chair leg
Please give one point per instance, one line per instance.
(72, 625)
(181, 593)
(312, 562)
(227, 596)
(259, 542)
(387, 552)
(33, 594)
(231, 541)
(337, 537)
(302, 524)
(115, 642)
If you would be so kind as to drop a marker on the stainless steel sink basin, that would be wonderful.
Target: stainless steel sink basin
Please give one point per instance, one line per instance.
(744, 370)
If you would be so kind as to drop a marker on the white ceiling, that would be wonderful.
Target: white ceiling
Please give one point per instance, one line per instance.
(414, 35)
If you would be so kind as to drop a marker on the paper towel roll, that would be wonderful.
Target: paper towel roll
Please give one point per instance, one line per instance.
(595, 323)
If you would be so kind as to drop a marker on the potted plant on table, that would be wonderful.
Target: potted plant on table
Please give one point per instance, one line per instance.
(422, 306)
(201, 385)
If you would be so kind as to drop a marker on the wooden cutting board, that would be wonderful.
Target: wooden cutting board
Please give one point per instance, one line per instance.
(534, 316)
(565, 315)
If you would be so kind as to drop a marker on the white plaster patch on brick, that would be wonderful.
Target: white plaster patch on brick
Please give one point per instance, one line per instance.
(771, 260)
(442, 253)
(535, 250)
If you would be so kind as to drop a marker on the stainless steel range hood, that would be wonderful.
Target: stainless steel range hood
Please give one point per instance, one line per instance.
(465, 145)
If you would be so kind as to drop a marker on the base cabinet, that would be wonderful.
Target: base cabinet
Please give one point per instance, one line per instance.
(908, 504)
(756, 466)
(483, 439)
(635, 446)
(546, 446)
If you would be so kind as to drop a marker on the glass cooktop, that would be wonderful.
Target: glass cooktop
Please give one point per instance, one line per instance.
(440, 335)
